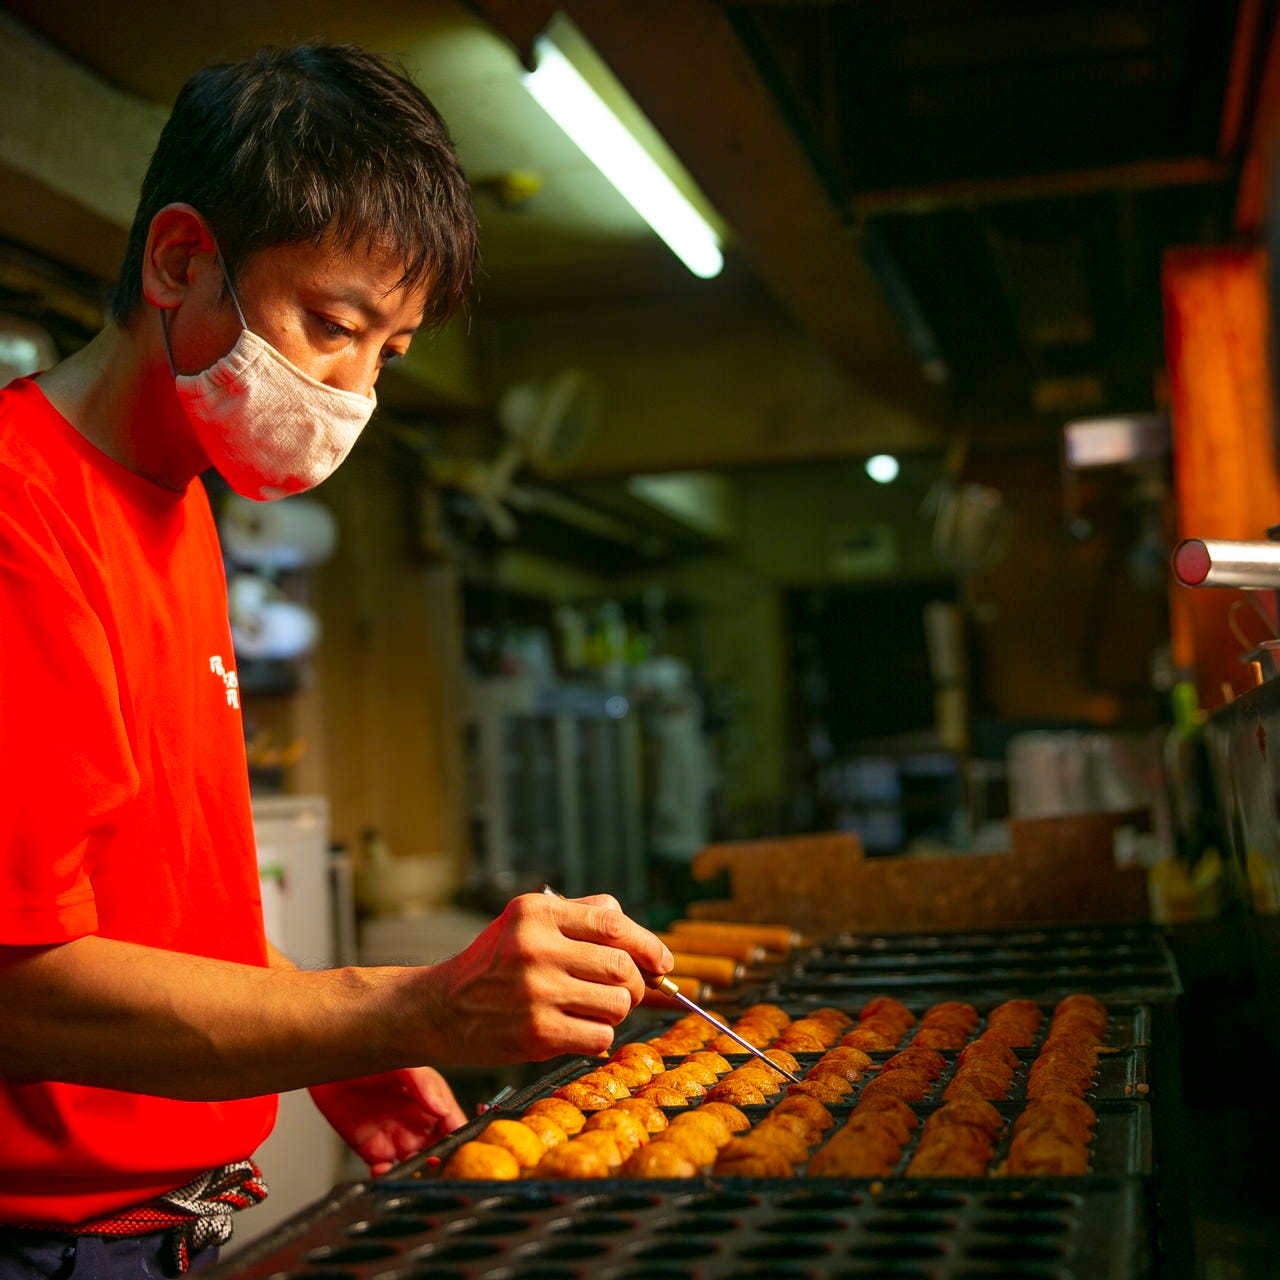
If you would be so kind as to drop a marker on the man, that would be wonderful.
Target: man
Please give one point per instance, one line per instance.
(303, 215)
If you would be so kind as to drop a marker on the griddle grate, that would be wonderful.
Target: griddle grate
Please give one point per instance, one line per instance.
(713, 1231)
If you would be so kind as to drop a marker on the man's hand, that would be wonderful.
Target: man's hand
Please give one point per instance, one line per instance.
(388, 1118)
(549, 976)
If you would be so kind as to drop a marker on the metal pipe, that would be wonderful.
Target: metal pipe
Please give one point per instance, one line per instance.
(1211, 562)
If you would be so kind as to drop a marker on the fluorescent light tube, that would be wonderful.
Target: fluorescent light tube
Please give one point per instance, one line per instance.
(566, 96)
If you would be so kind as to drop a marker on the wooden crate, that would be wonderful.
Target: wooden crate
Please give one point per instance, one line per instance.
(1060, 871)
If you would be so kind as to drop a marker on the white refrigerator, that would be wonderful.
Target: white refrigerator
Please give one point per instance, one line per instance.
(304, 916)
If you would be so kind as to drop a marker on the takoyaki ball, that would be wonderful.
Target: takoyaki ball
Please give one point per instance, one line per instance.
(631, 1074)
(627, 1129)
(717, 1062)
(752, 1162)
(702, 1072)
(548, 1132)
(977, 1084)
(661, 1095)
(868, 1038)
(1016, 1010)
(837, 1019)
(781, 1058)
(564, 1113)
(1016, 1021)
(1034, 1153)
(481, 1160)
(1081, 1064)
(968, 1113)
(698, 1147)
(773, 1014)
(685, 1081)
(890, 1113)
(640, 1052)
(1045, 1085)
(775, 1135)
(512, 1136)
(953, 1011)
(1073, 1114)
(887, 1006)
(749, 1067)
(835, 1077)
(938, 1038)
(724, 1044)
(774, 1124)
(584, 1097)
(673, 1046)
(645, 1110)
(851, 1160)
(696, 1025)
(835, 1068)
(753, 1033)
(854, 1057)
(926, 1062)
(949, 1161)
(984, 1049)
(875, 1133)
(1012, 1037)
(1085, 1009)
(715, 1127)
(660, 1160)
(605, 1083)
(1059, 1125)
(810, 1110)
(733, 1118)
(756, 1073)
(575, 1159)
(605, 1141)
(738, 1093)
(826, 1089)
(820, 1028)
(899, 1084)
(1068, 1049)
(794, 1041)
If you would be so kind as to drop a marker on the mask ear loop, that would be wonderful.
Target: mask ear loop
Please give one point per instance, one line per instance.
(231, 291)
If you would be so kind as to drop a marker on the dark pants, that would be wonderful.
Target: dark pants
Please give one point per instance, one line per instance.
(35, 1255)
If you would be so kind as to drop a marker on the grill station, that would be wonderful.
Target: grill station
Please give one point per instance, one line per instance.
(1111, 1224)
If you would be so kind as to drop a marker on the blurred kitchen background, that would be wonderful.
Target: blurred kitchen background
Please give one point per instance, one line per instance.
(863, 528)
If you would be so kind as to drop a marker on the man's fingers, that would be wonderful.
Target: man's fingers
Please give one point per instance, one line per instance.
(597, 996)
(605, 900)
(609, 928)
(571, 1033)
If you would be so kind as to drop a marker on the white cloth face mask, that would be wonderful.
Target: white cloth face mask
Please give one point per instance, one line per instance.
(270, 429)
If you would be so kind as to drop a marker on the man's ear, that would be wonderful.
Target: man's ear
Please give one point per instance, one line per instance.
(180, 250)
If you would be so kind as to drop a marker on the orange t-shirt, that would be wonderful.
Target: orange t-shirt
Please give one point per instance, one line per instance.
(125, 801)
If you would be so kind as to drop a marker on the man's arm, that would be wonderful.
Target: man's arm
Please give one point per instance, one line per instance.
(547, 977)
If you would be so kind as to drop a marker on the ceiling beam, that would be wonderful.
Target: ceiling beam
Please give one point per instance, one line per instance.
(687, 71)
(1139, 175)
(1262, 145)
(73, 150)
(1242, 74)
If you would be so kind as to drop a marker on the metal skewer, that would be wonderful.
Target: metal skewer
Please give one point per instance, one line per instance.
(668, 988)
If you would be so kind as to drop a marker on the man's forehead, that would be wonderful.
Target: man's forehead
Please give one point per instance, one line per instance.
(371, 278)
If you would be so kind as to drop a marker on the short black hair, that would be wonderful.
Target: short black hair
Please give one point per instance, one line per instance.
(293, 144)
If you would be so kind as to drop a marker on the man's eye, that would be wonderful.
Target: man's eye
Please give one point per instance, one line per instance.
(390, 357)
(332, 329)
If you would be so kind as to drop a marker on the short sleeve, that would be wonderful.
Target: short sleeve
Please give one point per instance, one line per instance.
(65, 760)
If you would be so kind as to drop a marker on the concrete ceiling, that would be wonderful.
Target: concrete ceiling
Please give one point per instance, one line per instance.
(974, 257)
(576, 238)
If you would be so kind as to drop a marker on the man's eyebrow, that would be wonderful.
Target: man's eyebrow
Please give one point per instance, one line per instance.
(362, 302)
